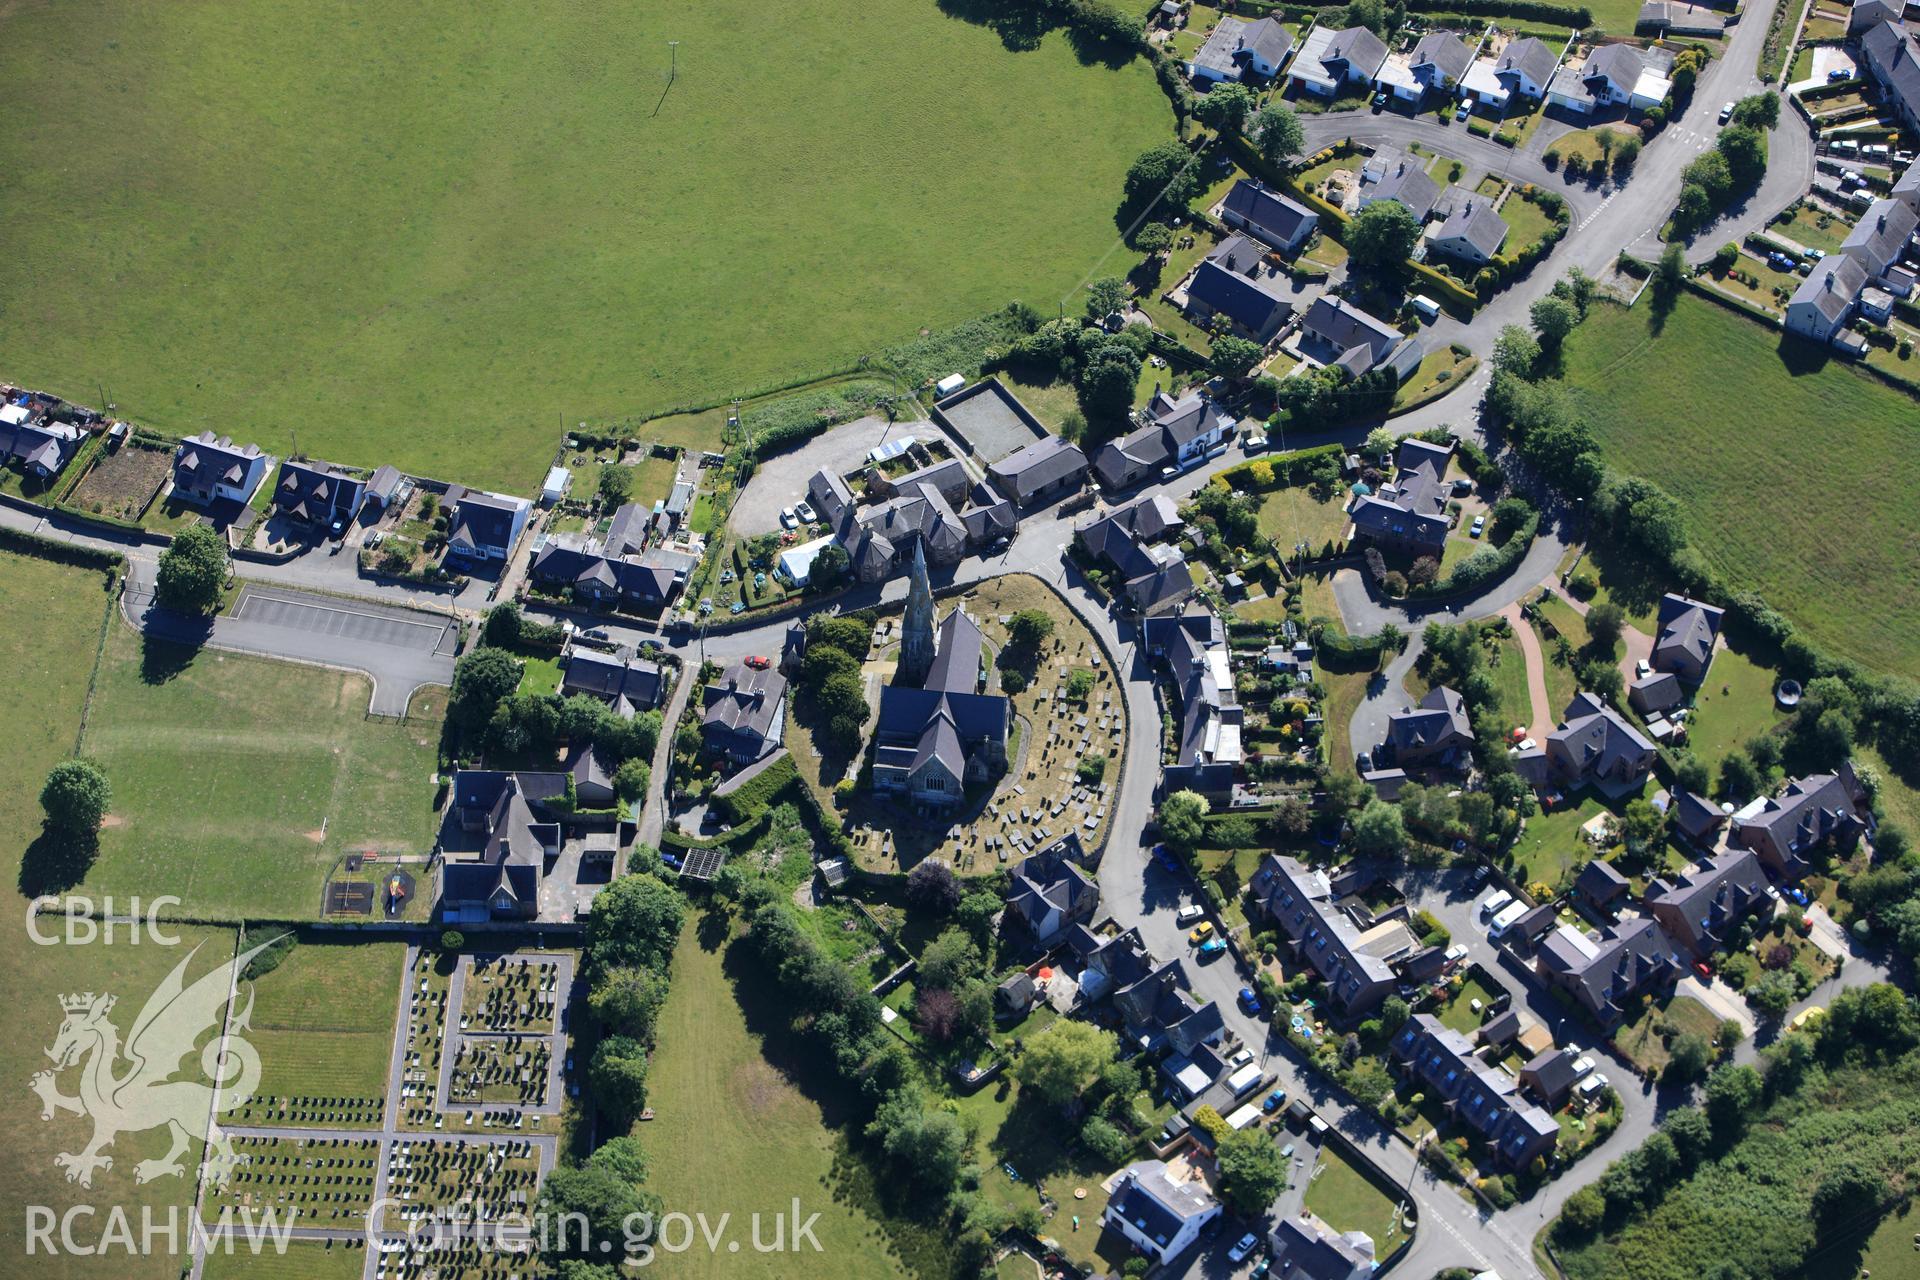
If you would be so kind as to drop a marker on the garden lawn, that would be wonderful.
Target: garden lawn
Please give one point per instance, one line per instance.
(1527, 224)
(1439, 371)
(1293, 514)
(323, 1019)
(733, 1129)
(1348, 1200)
(1647, 1049)
(1813, 506)
(1734, 705)
(238, 781)
(1816, 228)
(519, 256)
(1459, 1012)
(1891, 1253)
(1551, 845)
(1510, 678)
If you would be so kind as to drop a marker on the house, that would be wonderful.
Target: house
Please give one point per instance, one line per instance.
(1300, 902)
(1656, 695)
(1907, 186)
(1268, 216)
(830, 497)
(743, 714)
(1472, 232)
(1193, 644)
(1236, 47)
(209, 469)
(1331, 61)
(318, 494)
(948, 476)
(509, 812)
(1523, 69)
(1234, 284)
(485, 526)
(39, 443)
(1864, 15)
(1880, 238)
(1886, 52)
(1596, 745)
(1154, 579)
(1687, 630)
(1040, 472)
(1550, 1077)
(1697, 818)
(385, 487)
(1827, 810)
(1335, 332)
(921, 516)
(1432, 732)
(1409, 514)
(592, 777)
(1435, 65)
(1614, 75)
(1302, 1247)
(1177, 435)
(627, 685)
(1700, 908)
(1605, 974)
(1401, 180)
(1666, 18)
(1475, 1091)
(594, 574)
(937, 733)
(1600, 885)
(1050, 892)
(1823, 302)
(1159, 1216)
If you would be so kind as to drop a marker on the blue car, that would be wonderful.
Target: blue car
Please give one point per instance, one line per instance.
(1798, 895)
(1250, 1002)
(1164, 856)
(1212, 947)
(1275, 1100)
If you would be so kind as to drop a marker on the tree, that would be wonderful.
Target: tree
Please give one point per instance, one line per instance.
(1744, 149)
(1181, 819)
(1690, 1133)
(1225, 107)
(618, 1077)
(193, 569)
(1582, 1214)
(1739, 780)
(1515, 351)
(1759, 111)
(1380, 442)
(1553, 319)
(76, 797)
(936, 1014)
(831, 564)
(1379, 830)
(1060, 1064)
(924, 1145)
(1106, 1141)
(627, 1001)
(1689, 1057)
(1605, 622)
(1106, 296)
(616, 485)
(1277, 133)
(1625, 155)
(1164, 172)
(481, 679)
(1691, 773)
(1382, 235)
(932, 887)
(597, 1194)
(948, 959)
(1849, 1195)
(636, 921)
(1640, 825)
(1670, 273)
(1029, 627)
(1154, 239)
(1234, 357)
(1252, 1170)
(630, 780)
(1732, 1092)
(1107, 383)
(503, 625)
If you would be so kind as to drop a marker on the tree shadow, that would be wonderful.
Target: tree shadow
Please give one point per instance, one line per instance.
(1020, 29)
(162, 660)
(57, 861)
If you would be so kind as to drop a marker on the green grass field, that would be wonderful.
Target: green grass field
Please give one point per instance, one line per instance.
(733, 1130)
(1808, 499)
(1734, 705)
(301, 1261)
(238, 781)
(1348, 1200)
(323, 1019)
(1292, 514)
(554, 235)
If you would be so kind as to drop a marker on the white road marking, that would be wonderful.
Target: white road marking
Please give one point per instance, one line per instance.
(251, 596)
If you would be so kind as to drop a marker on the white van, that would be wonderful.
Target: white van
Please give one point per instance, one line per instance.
(1507, 917)
(1493, 905)
(1427, 307)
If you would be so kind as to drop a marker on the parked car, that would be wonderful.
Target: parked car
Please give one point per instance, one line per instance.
(1479, 876)
(1463, 112)
(1262, 1268)
(597, 635)
(1836, 74)
(1364, 762)
(759, 662)
(1275, 1100)
(788, 518)
(1642, 669)
(1379, 104)
(1164, 856)
(1477, 527)
(1190, 915)
(1201, 932)
(1456, 953)
(1240, 1059)
(1250, 1002)
(1582, 1065)
(1726, 112)
(1704, 969)
(1211, 948)
(1798, 895)
(1248, 1242)
(1805, 1016)
(1255, 443)
(805, 511)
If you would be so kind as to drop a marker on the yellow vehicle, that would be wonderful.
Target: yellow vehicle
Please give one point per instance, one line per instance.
(1201, 932)
(1806, 1017)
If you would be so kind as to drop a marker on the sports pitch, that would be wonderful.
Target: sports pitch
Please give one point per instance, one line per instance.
(431, 234)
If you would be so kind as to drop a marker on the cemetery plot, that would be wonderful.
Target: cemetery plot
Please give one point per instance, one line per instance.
(420, 1061)
(305, 1182)
(510, 993)
(510, 1069)
(459, 1180)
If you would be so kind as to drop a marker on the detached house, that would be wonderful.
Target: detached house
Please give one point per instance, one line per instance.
(1604, 974)
(1268, 216)
(209, 469)
(1305, 1248)
(1436, 65)
(1330, 61)
(1158, 1215)
(1788, 831)
(1154, 579)
(625, 685)
(743, 714)
(318, 494)
(1411, 513)
(1701, 908)
(1237, 46)
(1051, 892)
(1523, 69)
(1335, 332)
(1472, 232)
(484, 527)
(1687, 629)
(1615, 75)
(1234, 284)
(41, 444)
(1431, 733)
(1400, 180)
(1596, 745)
(520, 834)
(1178, 434)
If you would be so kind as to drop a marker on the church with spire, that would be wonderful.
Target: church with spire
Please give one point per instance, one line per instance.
(938, 731)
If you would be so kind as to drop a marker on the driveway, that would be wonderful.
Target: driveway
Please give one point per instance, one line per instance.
(781, 481)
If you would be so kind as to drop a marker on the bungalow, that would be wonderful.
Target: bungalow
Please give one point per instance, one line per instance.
(1050, 892)
(1233, 284)
(1301, 903)
(1268, 216)
(1472, 233)
(1433, 733)
(509, 811)
(628, 685)
(1824, 301)
(1615, 75)
(1697, 818)
(1177, 435)
(1335, 332)
(40, 444)
(1523, 69)
(209, 469)
(1158, 1215)
(1039, 472)
(485, 526)
(1604, 974)
(1401, 180)
(1887, 54)
(743, 714)
(1827, 810)
(1435, 65)
(1880, 238)
(1409, 514)
(1474, 1091)
(1596, 745)
(1236, 47)
(595, 575)
(318, 495)
(1687, 630)
(1701, 908)
(1303, 1247)
(1666, 18)
(1330, 61)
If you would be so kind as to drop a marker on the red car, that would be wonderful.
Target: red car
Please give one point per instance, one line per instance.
(759, 663)
(1704, 969)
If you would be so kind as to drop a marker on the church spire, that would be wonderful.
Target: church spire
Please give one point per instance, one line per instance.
(916, 631)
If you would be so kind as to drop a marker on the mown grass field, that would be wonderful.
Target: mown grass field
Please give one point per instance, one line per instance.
(300, 1261)
(435, 235)
(1348, 1200)
(323, 1019)
(238, 781)
(1794, 474)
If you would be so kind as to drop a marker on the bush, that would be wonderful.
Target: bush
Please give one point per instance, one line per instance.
(452, 940)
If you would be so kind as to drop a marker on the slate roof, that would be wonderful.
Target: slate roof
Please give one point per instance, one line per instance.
(1440, 719)
(1619, 64)
(1687, 630)
(1550, 1074)
(1240, 289)
(1831, 287)
(1531, 57)
(1359, 48)
(1696, 816)
(579, 561)
(948, 475)
(946, 716)
(1300, 901)
(1600, 882)
(1269, 38)
(744, 703)
(385, 481)
(1701, 907)
(1486, 1097)
(1659, 692)
(1051, 880)
(1474, 221)
(1630, 957)
(605, 676)
(316, 491)
(1348, 330)
(513, 856)
(1174, 423)
(41, 443)
(1446, 52)
(1148, 1197)
(1595, 740)
(1889, 54)
(1414, 506)
(1881, 234)
(1305, 1248)
(1269, 216)
(206, 460)
(1034, 467)
(1811, 809)
(482, 520)
(830, 496)
(1407, 182)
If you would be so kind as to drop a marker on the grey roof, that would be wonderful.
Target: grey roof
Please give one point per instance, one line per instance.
(1269, 38)
(1907, 186)
(1219, 53)
(1867, 13)
(1439, 719)
(602, 675)
(317, 491)
(1300, 901)
(1619, 64)
(1414, 507)
(830, 496)
(1158, 1207)
(1269, 215)
(743, 704)
(948, 475)
(1409, 183)
(679, 498)
(1810, 810)
(1033, 468)
(1631, 957)
(1347, 329)
(1881, 234)
(1596, 741)
(1359, 48)
(1889, 54)
(1601, 882)
(1446, 52)
(1695, 815)
(1173, 423)
(956, 661)
(1477, 1092)
(1831, 287)
(1531, 57)
(1659, 692)
(1687, 629)
(1305, 1248)
(946, 718)
(385, 480)
(1701, 907)
(1241, 290)
(482, 519)
(1051, 880)
(1550, 1073)
(206, 460)
(1474, 221)
(627, 531)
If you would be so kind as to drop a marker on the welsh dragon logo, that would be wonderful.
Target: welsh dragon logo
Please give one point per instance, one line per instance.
(131, 1088)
